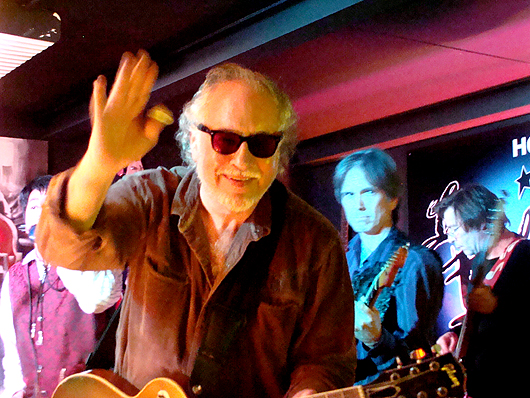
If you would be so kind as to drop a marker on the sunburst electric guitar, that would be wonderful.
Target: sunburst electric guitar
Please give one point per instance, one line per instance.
(440, 376)
(386, 277)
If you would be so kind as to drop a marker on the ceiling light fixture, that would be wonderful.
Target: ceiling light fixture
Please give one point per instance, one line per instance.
(26, 29)
(15, 50)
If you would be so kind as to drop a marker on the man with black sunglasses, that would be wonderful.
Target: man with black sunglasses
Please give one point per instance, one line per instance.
(236, 286)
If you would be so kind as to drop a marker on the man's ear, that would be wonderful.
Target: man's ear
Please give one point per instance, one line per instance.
(193, 144)
(487, 228)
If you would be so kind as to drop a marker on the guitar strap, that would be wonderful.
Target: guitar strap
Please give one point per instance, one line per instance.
(240, 296)
(491, 277)
(102, 357)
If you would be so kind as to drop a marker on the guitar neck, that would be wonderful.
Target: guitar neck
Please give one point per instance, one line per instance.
(373, 293)
(387, 275)
(467, 323)
(349, 392)
(463, 338)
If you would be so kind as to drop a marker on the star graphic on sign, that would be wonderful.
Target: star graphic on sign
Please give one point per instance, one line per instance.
(523, 181)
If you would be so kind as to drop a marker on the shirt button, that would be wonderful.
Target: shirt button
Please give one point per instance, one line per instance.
(197, 389)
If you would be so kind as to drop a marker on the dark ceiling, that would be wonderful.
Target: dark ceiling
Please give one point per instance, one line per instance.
(344, 62)
(47, 96)
(93, 36)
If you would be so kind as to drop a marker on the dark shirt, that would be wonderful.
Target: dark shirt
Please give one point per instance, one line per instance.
(409, 307)
(497, 346)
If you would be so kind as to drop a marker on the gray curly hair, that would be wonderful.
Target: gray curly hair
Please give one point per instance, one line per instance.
(230, 72)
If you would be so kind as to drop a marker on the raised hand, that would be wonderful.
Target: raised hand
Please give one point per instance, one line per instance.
(121, 132)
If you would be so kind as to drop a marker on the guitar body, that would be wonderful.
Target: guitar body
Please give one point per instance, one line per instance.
(106, 384)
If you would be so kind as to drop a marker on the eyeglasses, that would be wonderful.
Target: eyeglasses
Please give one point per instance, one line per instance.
(226, 142)
(451, 229)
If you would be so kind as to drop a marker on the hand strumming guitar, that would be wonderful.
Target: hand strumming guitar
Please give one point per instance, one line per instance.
(304, 393)
(367, 324)
(482, 299)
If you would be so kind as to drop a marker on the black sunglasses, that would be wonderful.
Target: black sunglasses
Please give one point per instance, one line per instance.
(226, 142)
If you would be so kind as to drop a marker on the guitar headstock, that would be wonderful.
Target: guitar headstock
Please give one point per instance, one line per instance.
(392, 266)
(495, 221)
(387, 275)
(440, 376)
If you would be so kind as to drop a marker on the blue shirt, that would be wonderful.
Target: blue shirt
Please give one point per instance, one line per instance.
(411, 306)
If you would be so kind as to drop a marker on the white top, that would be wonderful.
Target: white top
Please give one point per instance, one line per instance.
(95, 291)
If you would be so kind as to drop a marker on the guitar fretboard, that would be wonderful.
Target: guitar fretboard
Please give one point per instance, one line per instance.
(349, 392)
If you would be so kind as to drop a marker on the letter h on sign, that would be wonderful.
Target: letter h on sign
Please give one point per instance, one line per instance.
(523, 146)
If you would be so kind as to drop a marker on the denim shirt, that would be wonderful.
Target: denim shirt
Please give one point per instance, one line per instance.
(414, 303)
